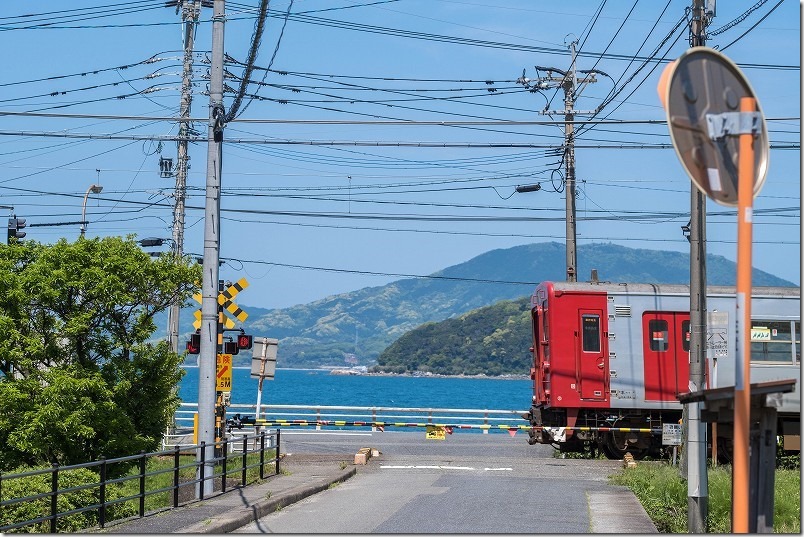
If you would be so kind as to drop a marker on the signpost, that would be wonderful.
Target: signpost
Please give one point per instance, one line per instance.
(672, 436)
(719, 134)
(263, 364)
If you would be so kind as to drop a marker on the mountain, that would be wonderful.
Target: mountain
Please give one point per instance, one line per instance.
(493, 340)
(354, 328)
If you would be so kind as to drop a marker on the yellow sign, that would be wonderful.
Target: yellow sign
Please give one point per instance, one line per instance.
(760, 333)
(225, 298)
(435, 432)
(223, 373)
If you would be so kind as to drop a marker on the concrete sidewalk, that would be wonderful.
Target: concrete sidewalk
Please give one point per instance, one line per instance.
(300, 477)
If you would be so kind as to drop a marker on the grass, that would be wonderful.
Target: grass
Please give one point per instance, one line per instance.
(663, 493)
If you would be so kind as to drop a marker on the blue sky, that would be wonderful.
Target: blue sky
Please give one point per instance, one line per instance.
(304, 220)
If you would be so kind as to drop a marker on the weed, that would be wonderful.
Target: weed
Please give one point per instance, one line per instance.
(663, 494)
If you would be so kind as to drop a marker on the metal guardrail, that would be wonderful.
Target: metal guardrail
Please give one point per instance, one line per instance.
(314, 414)
(227, 460)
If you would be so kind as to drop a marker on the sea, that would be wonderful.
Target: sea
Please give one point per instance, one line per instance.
(317, 387)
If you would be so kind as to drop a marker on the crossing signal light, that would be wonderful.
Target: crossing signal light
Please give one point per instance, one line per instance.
(230, 347)
(194, 345)
(14, 226)
(245, 341)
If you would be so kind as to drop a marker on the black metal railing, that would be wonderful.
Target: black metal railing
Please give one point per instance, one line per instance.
(107, 489)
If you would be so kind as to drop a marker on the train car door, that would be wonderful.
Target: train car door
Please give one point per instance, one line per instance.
(592, 356)
(665, 348)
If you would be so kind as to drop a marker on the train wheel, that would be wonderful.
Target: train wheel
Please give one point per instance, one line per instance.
(616, 444)
(605, 447)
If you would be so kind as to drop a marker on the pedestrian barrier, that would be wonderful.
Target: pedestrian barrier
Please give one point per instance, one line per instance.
(91, 494)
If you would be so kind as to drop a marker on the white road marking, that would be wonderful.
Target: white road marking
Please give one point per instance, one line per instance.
(426, 467)
(498, 469)
(323, 433)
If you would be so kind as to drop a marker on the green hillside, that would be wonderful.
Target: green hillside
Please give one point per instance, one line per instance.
(493, 340)
(324, 332)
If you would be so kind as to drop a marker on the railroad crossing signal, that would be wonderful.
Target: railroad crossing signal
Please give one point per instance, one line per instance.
(222, 320)
(194, 345)
(245, 341)
(225, 302)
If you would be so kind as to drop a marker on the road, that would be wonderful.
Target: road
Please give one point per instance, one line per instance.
(468, 483)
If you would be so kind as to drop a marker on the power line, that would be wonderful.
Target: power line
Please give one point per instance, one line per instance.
(680, 240)
(398, 122)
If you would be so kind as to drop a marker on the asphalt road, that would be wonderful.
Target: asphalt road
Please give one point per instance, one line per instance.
(468, 483)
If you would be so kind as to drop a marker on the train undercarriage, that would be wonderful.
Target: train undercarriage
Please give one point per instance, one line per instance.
(615, 433)
(590, 430)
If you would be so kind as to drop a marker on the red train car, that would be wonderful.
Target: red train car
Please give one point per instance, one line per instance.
(609, 360)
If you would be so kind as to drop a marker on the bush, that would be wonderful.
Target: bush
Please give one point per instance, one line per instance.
(38, 484)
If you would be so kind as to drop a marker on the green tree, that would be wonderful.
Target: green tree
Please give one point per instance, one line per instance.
(80, 377)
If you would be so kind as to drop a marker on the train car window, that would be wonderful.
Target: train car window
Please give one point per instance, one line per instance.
(658, 335)
(797, 326)
(591, 333)
(545, 324)
(771, 341)
(685, 336)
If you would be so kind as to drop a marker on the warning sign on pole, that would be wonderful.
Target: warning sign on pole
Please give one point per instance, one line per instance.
(223, 373)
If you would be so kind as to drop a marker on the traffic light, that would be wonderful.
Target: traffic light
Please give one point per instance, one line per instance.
(194, 345)
(14, 226)
(230, 347)
(244, 341)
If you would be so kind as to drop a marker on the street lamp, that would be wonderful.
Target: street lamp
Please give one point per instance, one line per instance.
(94, 189)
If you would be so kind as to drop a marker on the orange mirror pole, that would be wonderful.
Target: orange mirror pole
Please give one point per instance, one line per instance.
(742, 387)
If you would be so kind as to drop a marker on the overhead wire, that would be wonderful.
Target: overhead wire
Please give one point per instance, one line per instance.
(754, 26)
(152, 59)
(45, 20)
(266, 71)
(256, 37)
(273, 56)
(616, 92)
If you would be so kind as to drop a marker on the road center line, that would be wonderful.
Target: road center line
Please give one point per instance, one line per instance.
(426, 467)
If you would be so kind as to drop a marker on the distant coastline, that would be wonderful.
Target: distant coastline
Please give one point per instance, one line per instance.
(416, 374)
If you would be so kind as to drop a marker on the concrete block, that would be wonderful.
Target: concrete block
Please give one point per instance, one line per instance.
(363, 455)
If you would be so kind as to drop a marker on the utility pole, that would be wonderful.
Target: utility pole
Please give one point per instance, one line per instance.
(697, 478)
(210, 336)
(190, 12)
(570, 83)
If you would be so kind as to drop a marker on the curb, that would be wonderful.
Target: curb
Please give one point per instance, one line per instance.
(240, 517)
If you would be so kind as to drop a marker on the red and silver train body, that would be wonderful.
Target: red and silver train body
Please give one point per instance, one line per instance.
(609, 360)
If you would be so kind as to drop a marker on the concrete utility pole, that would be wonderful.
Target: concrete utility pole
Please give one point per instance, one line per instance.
(569, 85)
(697, 478)
(190, 12)
(569, 82)
(209, 285)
